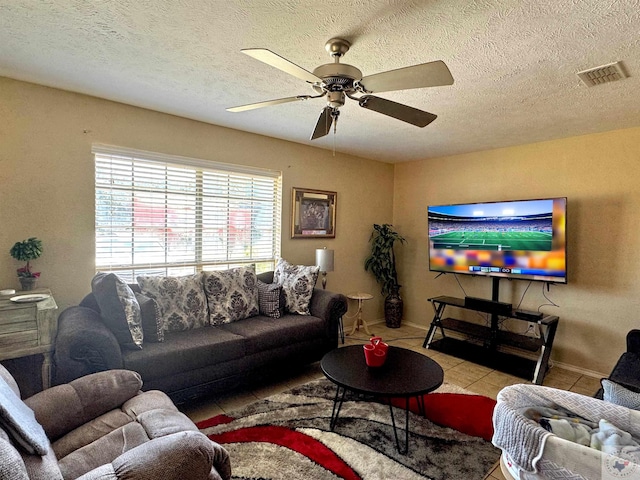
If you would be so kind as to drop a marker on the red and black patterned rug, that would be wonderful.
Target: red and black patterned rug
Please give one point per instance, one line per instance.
(287, 437)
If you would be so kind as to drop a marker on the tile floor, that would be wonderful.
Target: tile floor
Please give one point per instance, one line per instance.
(477, 378)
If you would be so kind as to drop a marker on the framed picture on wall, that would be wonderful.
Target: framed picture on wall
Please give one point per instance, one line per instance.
(313, 213)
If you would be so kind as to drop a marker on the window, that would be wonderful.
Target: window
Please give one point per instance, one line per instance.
(166, 215)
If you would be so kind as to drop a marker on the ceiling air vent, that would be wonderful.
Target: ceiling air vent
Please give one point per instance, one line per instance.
(611, 72)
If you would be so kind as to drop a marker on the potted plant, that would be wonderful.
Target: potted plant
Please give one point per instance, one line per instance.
(26, 251)
(382, 263)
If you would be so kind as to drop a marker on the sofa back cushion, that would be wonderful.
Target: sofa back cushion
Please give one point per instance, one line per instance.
(181, 300)
(231, 294)
(63, 408)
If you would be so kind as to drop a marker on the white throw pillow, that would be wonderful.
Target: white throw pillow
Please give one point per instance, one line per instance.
(298, 282)
(231, 294)
(181, 300)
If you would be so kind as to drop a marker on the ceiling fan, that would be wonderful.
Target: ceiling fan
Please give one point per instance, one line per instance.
(338, 81)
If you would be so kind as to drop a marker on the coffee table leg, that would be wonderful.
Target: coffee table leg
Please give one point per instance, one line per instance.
(405, 450)
(335, 412)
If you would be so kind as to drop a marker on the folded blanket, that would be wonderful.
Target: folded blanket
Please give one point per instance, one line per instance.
(523, 439)
(603, 435)
(20, 423)
(562, 423)
(610, 439)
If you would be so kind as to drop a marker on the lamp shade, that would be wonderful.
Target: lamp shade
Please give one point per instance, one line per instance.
(324, 259)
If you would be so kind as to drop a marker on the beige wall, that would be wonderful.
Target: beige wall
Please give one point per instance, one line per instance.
(599, 174)
(46, 190)
(46, 179)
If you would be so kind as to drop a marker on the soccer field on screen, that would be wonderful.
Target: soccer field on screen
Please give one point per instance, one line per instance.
(493, 241)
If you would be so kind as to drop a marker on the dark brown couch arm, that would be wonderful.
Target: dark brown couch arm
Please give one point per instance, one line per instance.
(84, 345)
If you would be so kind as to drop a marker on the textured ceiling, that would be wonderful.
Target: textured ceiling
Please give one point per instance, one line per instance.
(514, 63)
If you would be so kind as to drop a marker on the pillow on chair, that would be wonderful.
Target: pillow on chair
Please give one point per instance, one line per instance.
(620, 395)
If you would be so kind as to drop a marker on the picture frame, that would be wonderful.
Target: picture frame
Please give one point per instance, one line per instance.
(313, 213)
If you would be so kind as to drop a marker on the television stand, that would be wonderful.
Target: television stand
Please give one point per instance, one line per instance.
(481, 344)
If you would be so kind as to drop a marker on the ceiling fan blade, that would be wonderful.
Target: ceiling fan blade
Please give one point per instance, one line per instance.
(268, 103)
(275, 60)
(411, 115)
(432, 74)
(324, 124)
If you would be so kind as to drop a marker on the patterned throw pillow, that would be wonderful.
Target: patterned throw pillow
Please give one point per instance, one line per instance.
(270, 299)
(151, 319)
(119, 309)
(298, 282)
(231, 294)
(616, 393)
(181, 300)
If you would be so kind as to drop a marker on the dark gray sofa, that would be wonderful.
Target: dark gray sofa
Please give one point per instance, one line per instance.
(190, 363)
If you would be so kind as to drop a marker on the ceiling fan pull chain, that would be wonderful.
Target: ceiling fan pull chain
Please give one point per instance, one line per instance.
(335, 114)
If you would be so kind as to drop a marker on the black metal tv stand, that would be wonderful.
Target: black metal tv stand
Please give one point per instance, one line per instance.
(481, 343)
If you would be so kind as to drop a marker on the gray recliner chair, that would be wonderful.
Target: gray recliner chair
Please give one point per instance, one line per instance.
(102, 426)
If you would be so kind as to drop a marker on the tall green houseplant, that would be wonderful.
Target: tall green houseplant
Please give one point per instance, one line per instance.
(382, 263)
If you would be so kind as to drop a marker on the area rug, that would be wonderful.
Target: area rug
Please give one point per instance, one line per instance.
(287, 436)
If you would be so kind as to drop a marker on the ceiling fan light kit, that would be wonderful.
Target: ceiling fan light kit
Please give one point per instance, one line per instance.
(337, 81)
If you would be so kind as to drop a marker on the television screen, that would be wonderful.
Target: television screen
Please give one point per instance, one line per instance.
(523, 239)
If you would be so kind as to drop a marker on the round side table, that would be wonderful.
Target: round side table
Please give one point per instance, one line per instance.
(360, 297)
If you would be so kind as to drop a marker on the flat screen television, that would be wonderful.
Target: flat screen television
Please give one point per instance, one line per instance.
(523, 239)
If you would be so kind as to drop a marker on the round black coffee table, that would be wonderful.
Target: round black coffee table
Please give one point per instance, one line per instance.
(405, 374)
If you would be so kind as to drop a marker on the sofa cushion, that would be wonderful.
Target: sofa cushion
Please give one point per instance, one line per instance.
(182, 302)
(63, 408)
(151, 318)
(231, 294)
(119, 309)
(260, 334)
(103, 451)
(184, 351)
(90, 431)
(271, 301)
(298, 282)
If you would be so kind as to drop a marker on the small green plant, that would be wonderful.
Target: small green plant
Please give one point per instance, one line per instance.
(382, 261)
(26, 251)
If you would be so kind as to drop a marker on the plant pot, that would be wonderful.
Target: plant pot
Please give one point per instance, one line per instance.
(393, 306)
(28, 283)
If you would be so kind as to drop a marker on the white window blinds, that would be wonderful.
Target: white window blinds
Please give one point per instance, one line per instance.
(167, 215)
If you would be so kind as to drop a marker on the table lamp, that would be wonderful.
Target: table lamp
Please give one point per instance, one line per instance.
(324, 260)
